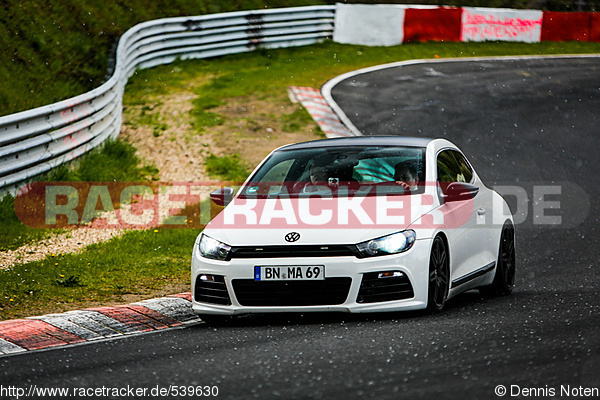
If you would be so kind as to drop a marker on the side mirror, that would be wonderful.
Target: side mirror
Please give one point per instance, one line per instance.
(457, 191)
(222, 197)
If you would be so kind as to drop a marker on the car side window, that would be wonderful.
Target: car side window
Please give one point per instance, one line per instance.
(446, 167)
(466, 173)
(453, 167)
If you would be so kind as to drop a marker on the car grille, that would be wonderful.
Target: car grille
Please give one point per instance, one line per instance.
(330, 291)
(374, 289)
(212, 291)
(293, 251)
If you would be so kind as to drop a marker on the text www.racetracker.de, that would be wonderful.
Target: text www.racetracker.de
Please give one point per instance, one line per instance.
(127, 391)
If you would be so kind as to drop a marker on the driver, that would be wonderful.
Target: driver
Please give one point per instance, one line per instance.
(318, 173)
(318, 176)
(406, 176)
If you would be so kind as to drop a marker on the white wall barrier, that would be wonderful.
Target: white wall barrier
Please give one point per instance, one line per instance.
(37, 140)
(369, 25)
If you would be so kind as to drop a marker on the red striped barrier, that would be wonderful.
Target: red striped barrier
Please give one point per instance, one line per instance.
(595, 27)
(432, 24)
(566, 26)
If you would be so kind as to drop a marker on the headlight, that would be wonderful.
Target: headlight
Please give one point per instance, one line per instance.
(391, 244)
(211, 248)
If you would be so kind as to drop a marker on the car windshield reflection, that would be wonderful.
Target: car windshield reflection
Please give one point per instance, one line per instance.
(339, 172)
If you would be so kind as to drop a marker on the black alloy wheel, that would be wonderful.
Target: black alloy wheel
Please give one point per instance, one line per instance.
(439, 276)
(504, 281)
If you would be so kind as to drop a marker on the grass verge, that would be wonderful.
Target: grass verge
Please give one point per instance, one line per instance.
(138, 265)
(229, 168)
(114, 161)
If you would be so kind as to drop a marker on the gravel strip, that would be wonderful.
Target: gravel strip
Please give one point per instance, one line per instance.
(68, 242)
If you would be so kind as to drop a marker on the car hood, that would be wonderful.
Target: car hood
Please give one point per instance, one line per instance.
(268, 221)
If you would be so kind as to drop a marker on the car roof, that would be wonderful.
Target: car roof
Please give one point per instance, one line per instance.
(361, 141)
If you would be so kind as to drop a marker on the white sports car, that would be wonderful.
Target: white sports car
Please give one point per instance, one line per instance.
(359, 224)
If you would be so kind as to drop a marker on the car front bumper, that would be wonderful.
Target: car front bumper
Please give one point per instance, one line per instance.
(346, 274)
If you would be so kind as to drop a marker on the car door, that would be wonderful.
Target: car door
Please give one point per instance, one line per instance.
(467, 229)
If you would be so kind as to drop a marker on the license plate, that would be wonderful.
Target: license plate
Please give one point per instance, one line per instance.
(289, 273)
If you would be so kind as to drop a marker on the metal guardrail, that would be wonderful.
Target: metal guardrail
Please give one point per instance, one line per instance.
(35, 141)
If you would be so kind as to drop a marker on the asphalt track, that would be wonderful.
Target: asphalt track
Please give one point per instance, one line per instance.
(523, 124)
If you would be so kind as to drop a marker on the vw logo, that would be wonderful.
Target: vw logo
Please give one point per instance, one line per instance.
(292, 237)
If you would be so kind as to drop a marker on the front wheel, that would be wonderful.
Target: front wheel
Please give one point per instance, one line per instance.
(504, 281)
(439, 276)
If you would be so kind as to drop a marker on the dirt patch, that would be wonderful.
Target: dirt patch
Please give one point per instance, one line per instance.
(255, 127)
(176, 153)
(252, 128)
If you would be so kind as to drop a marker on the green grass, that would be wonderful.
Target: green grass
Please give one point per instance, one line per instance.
(296, 120)
(229, 168)
(14, 233)
(139, 263)
(114, 161)
(152, 119)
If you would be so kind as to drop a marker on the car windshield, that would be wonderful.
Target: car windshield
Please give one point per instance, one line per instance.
(339, 171)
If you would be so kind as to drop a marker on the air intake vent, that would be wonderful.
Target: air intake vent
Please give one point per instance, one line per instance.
(384, 286)
(211, 289)
(330, 291)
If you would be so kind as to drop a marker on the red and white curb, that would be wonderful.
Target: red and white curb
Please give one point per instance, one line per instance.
(91, 324)
(319, 109)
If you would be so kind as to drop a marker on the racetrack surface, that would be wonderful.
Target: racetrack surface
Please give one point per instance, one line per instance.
(523, 123)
